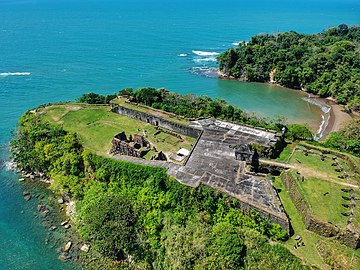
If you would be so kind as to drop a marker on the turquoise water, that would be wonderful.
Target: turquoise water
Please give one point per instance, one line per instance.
(56, 50)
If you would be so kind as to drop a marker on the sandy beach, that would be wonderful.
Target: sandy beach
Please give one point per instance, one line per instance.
(336, 118)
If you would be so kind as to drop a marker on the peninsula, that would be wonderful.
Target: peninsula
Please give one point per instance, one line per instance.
(164, 180)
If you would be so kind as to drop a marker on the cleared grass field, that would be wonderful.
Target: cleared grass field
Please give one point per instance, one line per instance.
(325, 200)
(96, 127)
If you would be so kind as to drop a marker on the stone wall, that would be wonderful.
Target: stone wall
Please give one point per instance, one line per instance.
(345, 236)
(123, 148)
(156, 120)
(246, 208)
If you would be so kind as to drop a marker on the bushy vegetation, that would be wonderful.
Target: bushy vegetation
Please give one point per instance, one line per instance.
(94, 98)
(126, 209)
(298, 132)
(327, 64)
(347, 139)
(192, 106)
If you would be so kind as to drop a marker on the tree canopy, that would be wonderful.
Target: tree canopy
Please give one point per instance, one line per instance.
(347, 138)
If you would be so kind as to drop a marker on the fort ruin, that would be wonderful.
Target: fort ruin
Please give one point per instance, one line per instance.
(221, 158)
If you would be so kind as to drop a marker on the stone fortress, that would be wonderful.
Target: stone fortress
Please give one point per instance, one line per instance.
(220, 158)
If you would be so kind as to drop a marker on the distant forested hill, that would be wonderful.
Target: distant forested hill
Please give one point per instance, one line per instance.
(327, 63)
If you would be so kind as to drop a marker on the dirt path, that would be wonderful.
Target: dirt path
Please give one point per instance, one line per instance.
(276, 163)
(306, 172)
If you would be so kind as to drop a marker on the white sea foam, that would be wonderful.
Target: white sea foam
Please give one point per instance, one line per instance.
(209, 72)
(200, 53)
(324, 107)
(238, 43)
(15, 74)
(323, 126)
(9, 165)
(182, 54)
(208, 59)
(325, 116)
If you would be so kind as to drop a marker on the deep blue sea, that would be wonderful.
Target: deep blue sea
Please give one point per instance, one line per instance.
(56, 50)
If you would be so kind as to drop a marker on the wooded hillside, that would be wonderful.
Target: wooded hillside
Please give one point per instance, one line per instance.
(326, 64)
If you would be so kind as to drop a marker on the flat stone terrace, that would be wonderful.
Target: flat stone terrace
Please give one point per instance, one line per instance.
(212, 162)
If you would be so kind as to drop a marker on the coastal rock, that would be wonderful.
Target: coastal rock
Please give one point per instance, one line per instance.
(61, 201)
(64, 223)
(85, 248)
(25, 193)
(67, 247)
(67, 226)
(53, 228)
(71, 209)
(46, 223)
(21, 179)
(64, 257)
(43, 210)
(27, 197)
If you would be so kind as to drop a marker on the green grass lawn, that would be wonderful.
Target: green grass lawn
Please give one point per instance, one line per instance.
(308, 253)
(96, 126)
(284, 155)
(320, 178)
(326, 207)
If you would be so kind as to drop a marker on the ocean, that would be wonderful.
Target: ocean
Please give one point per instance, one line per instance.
(56, 50)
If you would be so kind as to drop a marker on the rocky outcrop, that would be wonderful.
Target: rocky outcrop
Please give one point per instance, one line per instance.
(228, 61)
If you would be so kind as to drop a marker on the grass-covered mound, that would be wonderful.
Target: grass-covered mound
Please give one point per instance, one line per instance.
(327, 63)
(139, 217)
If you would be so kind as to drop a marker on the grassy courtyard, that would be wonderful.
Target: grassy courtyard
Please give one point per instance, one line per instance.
(322, 184)
(96, 127)
(322, 189)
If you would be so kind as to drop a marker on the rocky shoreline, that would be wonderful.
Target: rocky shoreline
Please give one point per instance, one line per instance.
(52, 213)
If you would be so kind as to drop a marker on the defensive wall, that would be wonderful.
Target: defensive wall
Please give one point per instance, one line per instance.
(345, 236)
(156, 120)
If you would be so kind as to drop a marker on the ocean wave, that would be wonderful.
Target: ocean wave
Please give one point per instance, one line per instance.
(201, 53)
(4, 74)
(324, 107)
(209, 72)
(237, 43)
(323, 126)
(208, 59)
(182, 54)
